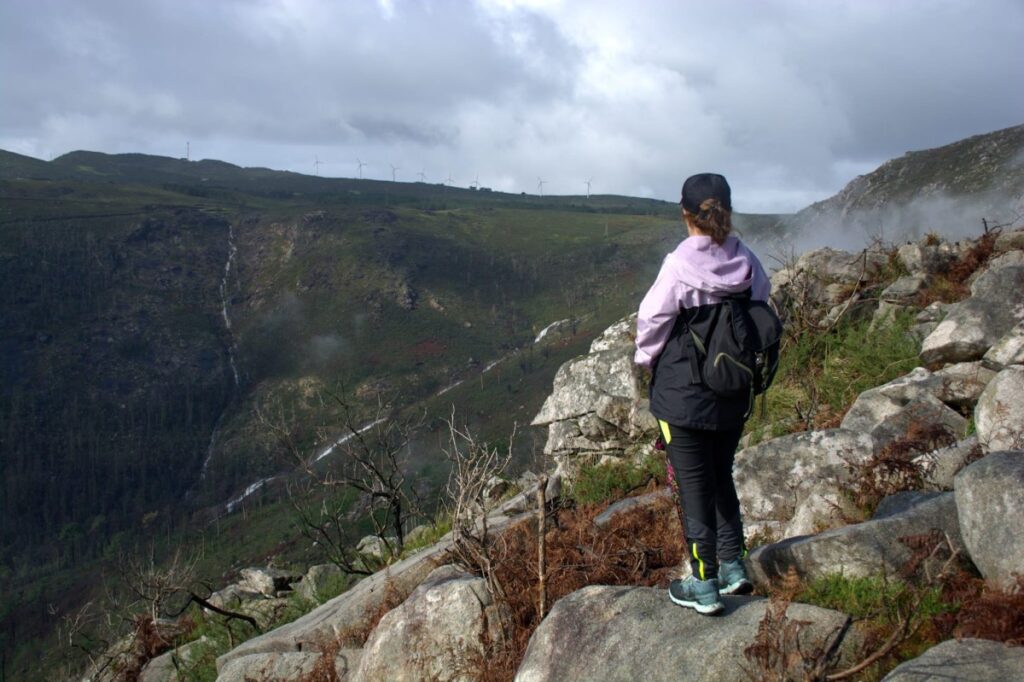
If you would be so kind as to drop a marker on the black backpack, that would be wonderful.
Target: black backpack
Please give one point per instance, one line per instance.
(739, 354)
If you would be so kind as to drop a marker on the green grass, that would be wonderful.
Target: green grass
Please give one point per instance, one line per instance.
(820, 375)
(602, 482)
(872, 598)
(878, 606)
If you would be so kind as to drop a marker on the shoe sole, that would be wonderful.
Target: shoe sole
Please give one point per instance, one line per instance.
(705, 609)
(740, 587)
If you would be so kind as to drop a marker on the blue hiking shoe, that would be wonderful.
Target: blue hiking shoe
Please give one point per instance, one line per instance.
(732, 578)
(700, 595)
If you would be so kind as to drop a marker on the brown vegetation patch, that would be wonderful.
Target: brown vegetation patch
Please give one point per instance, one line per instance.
(356, 635)
(428, 348)
(324, 670)
(952, 285)
(893, 469)
(644, 547)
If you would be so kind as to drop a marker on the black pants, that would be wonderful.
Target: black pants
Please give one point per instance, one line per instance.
(702, 462)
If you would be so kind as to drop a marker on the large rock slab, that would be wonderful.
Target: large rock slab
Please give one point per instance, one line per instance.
(977, 323)
(963, 660)
(290, 665)
(862, 549)
(904, 288)
(961, 384)
(438, 633)
(581, 382)
(630, 505)
(773, 478)
(927, 259)
(603, 633)
(990, 504)
(622, 334)
(822, 509)
(999, 415)
(887, 412)
(347, 613)
(1011, 240)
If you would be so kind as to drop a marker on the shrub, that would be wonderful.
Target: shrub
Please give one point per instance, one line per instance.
(822, 373)
(601, 482)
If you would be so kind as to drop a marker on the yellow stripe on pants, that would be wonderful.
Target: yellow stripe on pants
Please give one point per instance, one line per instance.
(699, 561)
(665, 432)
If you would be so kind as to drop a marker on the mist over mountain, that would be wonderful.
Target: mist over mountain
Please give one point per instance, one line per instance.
(949, 190)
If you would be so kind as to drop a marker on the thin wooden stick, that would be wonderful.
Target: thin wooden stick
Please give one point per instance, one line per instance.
(542, 484)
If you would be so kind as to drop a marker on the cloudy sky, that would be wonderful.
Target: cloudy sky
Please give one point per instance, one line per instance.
(790, 99)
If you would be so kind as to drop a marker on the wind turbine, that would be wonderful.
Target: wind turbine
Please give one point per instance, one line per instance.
(476, 182)
(316, 165)
(587, 183)
(360, 164)
(540, 185)
(393, 169)
(422, 176)
(449, 180)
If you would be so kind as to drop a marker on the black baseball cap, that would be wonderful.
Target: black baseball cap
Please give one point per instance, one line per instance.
(703, 186)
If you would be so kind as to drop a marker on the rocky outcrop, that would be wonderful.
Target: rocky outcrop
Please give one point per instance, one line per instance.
(888, 411)
(862, 549)
(597, 407)
(348, 617)
(975, 324)
(919, 187)
(991, 513)
(438, 633)
(963, 659)
(822, 279)
(627, 633)
(290, 665)
(774, 478)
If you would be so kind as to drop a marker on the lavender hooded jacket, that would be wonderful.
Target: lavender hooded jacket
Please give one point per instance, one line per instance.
(698, 272)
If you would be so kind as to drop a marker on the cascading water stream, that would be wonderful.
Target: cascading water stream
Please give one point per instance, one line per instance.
(232, 250)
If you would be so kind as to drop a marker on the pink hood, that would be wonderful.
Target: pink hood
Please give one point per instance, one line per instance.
(697, 273)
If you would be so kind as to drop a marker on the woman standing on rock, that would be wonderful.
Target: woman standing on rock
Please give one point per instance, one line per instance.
(700, 429)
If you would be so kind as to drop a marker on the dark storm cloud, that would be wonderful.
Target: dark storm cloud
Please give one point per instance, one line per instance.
(791, 99)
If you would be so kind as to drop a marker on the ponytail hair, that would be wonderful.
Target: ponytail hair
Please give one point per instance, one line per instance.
(713, 219)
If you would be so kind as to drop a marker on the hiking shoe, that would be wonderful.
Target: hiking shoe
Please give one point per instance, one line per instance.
(700, 595)
(732, 578)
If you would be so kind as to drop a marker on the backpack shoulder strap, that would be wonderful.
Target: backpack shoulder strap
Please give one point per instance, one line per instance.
(694, 346)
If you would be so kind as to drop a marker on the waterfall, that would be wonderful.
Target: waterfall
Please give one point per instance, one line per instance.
(232, 250)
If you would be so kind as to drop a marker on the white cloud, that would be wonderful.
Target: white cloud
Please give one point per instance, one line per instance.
(790, 99)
